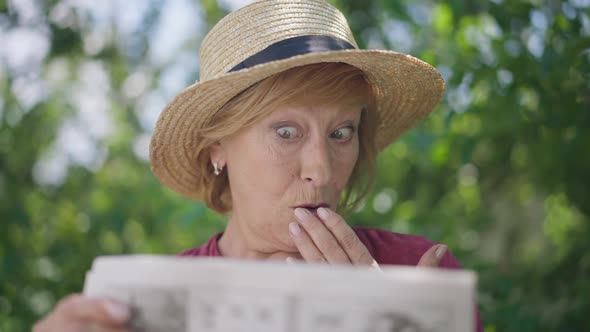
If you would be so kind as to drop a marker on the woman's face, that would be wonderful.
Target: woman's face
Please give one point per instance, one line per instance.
(295, 157)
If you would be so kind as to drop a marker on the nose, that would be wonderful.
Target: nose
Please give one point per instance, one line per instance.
(316, 163)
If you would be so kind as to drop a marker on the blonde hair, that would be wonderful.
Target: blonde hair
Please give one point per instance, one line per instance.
(324, 83)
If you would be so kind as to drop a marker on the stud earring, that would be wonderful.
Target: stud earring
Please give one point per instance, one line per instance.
(216, 169)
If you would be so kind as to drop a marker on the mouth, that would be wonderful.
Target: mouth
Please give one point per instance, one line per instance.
(312, 208)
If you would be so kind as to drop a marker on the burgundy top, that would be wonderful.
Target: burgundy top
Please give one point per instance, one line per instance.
(386, 247)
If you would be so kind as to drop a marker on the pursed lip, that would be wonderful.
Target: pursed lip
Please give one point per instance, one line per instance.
(312, 206)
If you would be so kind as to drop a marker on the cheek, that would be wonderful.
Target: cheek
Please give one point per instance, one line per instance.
(263, 172)
(345, 158)
(263, 186)
(279, 174)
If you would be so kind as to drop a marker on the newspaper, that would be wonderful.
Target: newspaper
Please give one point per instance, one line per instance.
(187, 294)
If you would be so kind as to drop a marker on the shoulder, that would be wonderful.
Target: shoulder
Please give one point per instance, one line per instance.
(399, 249)
(208, 249)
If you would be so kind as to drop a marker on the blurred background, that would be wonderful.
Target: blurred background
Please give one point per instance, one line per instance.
(500, 171)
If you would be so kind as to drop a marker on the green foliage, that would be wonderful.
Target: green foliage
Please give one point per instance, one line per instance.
(499, 171)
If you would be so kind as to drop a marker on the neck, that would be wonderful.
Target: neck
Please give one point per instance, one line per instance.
(240, 242)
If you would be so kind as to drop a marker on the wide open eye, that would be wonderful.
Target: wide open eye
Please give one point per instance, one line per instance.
(342, 134)
(287, 132)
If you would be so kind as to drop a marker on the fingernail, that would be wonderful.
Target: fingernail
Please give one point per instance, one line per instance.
(323, 213)
(290, 260)
(375, 266)
(440, 251)
(301, 214)
(118, 311)
(294, 229)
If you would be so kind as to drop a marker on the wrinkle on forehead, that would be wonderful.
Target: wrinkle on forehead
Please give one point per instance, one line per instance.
(336, 109)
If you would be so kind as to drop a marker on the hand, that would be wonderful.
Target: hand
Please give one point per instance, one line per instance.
(79, 313)
(328, 240)
(331, 240)
(433, 256)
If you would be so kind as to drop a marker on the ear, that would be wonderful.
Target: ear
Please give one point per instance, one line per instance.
(217, 154)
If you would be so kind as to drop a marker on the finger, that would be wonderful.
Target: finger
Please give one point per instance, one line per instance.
(322, 237)
(305, 245)
(433, 256)
(354, 248)
(51, 325)
(291, 261)
(104, 312)
(99, 328)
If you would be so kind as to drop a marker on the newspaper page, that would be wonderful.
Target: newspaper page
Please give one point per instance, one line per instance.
(187, 294)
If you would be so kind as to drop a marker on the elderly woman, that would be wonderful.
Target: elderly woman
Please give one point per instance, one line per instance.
(281, 134)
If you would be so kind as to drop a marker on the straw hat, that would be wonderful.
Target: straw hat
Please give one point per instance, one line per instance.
(268, 37)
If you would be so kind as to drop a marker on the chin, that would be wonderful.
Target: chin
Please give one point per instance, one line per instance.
(287, 244)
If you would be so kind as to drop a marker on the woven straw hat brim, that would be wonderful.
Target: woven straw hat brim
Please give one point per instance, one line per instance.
(407, 89)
